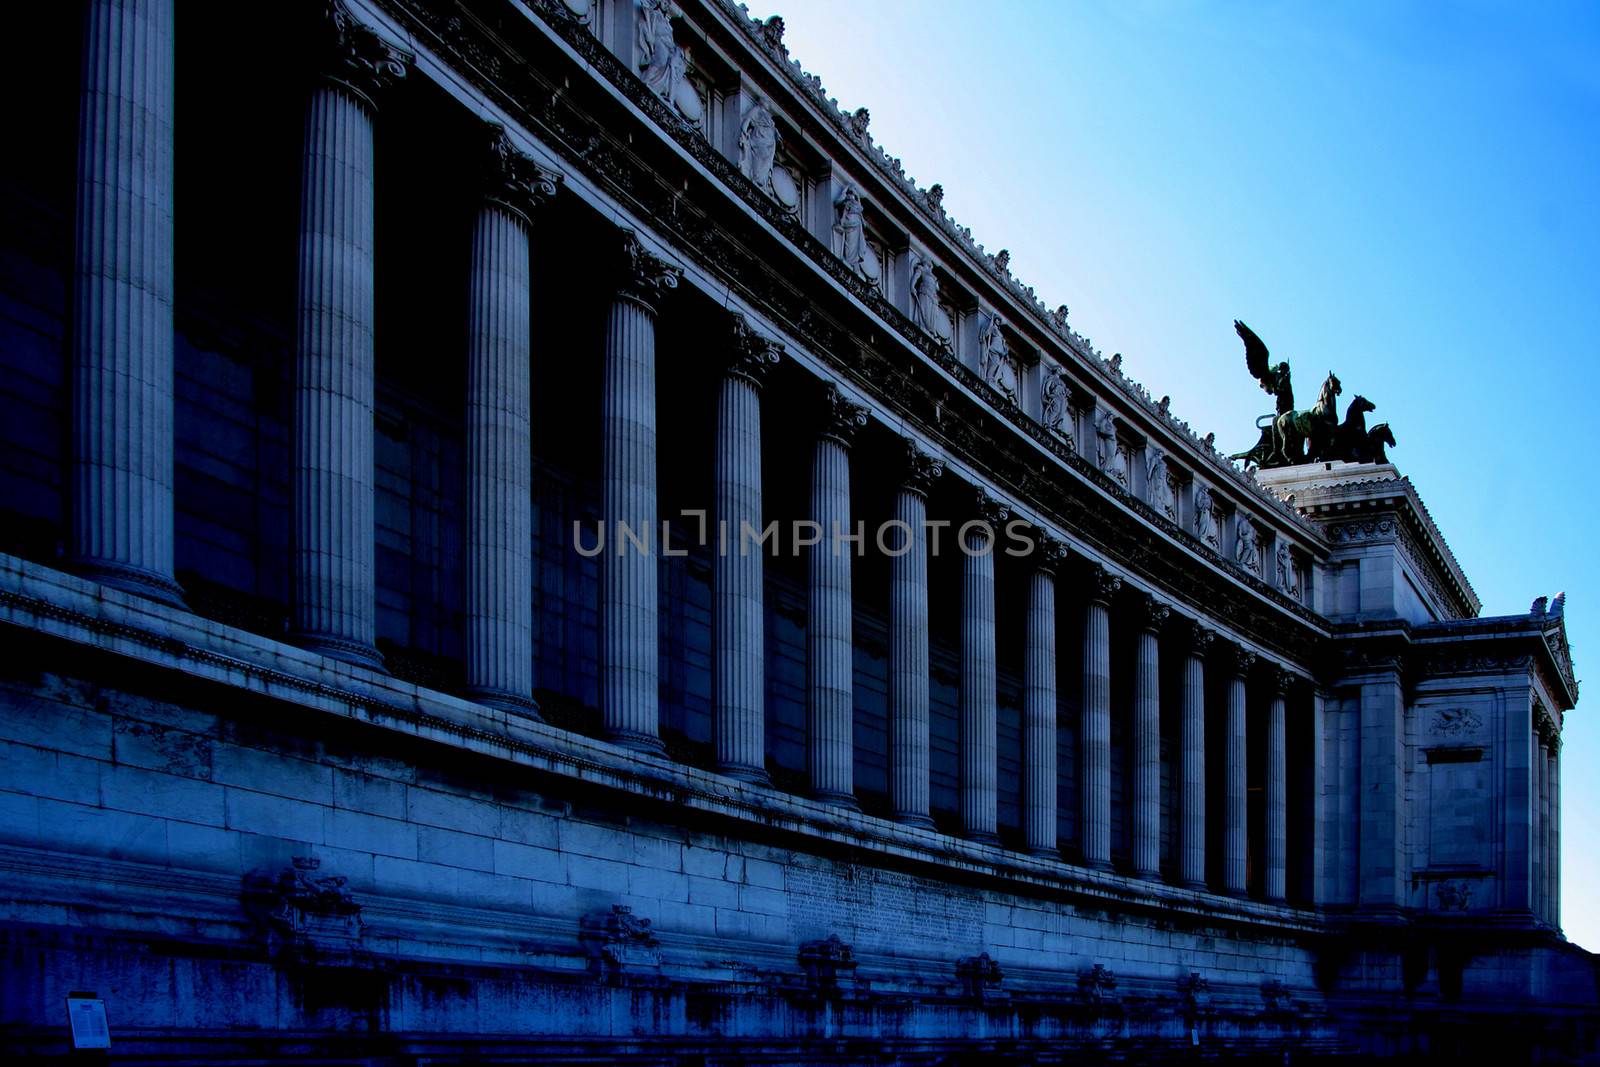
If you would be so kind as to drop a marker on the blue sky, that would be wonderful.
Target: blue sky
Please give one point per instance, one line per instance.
(1405, 193)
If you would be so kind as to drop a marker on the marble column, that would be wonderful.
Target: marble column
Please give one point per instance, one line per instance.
(1094, 764)
(499, 608)
(332, 531)
(629, 650)
(1555, 831)
(1538, 770)
(1235, 822)
(738, 618)
(908, 642)
(1147, 739)
(830, 655)
(1319, 804)
(1277, 808)
(122, 301)
(1192, 774)
(1039, 699)
(980, 750)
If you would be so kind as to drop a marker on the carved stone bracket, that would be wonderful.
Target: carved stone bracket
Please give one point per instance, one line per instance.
(512, 179)
(841, 417)
(354, 56)
(646, 277)
(752, 354)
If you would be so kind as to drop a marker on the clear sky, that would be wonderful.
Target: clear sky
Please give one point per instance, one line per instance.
(1406, 193)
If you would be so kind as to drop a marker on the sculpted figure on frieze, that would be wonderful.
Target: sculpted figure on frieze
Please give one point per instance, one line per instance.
(758, 157)
(1053, 402)
(1158, 485)
(926, 310)
(663, 63)
(850, 236)
(1246, 549)
(1105, 440)
(994, 358)
(1283, 567)
(1205, 520)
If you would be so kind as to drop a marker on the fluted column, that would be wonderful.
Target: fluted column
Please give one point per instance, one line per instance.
(1555, 832)
(499, 609)
(979, 679)
(738, 617)
(1277, 820)
(830, 718)
(1540, 814)
(1094, 765)
(1039, 814)
(908, 642)
(629, 683)
(1147, 740)
(122, 301)
(1319, 804)
(1235, 825)
(1192, 835)
(334, 584)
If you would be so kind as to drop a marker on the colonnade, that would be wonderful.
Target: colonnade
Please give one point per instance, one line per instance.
(123, 531)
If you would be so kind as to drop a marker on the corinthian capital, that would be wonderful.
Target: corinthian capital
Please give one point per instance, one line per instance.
(1103, 585)
(645, 277)
(511, 177)
(841, 418)
(751, 354)
(1242, 660)
(1048, 552)
(922, 469)
(1200, 638)
(1152, 613)
(353, 55)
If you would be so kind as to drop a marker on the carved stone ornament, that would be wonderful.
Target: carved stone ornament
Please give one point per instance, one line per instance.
(578, 9)
(752, 355)
(1242, 660)
(301, 905)
(935, 197)
(841, 417)
(356, 57)
(988, 515)
(1158, 485)
(646, 277)
(758, 157)
(1103, 585)
(1280, 678)
(1246, 548)
(619, 942)
(826, 961)
(1098, 984)
(1060, 315)
(1152, 613)
(1195, 990)
(994, 358)
(663, 63)
(1200, 639)
(979, 975)
(850, 237)
(926, 310)
(1455, 722)
(1205, 519)
(922, 468)
(512, 178)
(860, 119)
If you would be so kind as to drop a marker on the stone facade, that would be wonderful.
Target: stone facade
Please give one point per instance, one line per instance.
(327, 729)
